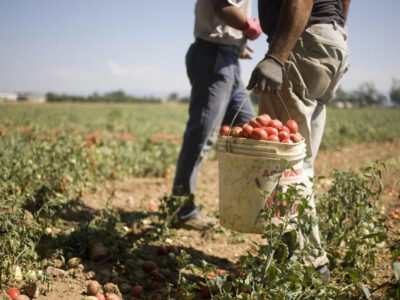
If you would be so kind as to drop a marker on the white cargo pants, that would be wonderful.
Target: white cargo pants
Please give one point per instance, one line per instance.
(311, 77)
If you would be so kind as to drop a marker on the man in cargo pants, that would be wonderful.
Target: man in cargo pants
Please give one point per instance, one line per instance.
(222, 28)
(306, 59)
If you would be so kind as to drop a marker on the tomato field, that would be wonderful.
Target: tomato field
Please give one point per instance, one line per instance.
(84, 197)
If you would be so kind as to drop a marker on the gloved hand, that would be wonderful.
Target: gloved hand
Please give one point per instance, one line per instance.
(266, 76)
(252, 28)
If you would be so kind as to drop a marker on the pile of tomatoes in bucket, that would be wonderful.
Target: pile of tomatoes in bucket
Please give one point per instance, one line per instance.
(264, 128)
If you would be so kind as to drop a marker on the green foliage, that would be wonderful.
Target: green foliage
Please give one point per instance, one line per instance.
(50, 154)
(365, 95)
(395, 92)
(352, 233)
(354, 126)
(111, 97)
(352, 229)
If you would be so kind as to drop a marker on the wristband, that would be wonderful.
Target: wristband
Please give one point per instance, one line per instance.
(267, 56)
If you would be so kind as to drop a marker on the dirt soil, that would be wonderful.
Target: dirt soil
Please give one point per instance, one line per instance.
(219, 245)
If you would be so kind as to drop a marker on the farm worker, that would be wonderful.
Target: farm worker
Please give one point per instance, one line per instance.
(306, 59)
(222, 28)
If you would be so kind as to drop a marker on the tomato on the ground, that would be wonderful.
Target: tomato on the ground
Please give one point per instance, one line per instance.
(13, 293)
(137, 290)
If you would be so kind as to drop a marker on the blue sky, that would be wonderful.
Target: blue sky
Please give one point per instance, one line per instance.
(82, 46)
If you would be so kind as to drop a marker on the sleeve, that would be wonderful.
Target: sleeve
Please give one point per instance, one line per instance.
(234, 2)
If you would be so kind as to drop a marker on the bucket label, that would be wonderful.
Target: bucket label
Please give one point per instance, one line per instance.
(287, 175)
(281, 206)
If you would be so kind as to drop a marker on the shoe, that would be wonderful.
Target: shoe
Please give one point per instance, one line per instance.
(325, 274)
(197, 221)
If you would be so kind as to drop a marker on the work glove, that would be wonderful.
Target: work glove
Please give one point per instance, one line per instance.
(252, 28)
(266, 76)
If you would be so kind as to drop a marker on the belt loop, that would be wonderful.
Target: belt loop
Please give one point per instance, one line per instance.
(334, 25)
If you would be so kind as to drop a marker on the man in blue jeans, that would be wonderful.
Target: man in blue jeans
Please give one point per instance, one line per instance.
(222, 28)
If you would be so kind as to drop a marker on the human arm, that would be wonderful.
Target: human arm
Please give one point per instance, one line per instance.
(246, 53)
(293, 18)
(292, 21)
(229, 14)
(233, 17)
(346, 5)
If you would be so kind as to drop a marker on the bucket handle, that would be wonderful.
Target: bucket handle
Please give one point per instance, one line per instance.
(228, 149)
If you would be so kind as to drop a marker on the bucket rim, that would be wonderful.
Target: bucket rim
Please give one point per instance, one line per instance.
(299, 157)
(242, 140)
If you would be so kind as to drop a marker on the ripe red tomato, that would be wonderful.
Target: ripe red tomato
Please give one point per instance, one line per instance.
(275, 123)
(259, 134)
(112, 297)
(271, 131)
(224, 130)
(222, 272)
(237, 131)
(247, 130)
(162, 250)
(253, 122)
(100, 296)
(284, 128)
(283, 135)
(296, 137)
(273, 138)
(13, 293)
(292, 125)
(205, 292)
(210, 275)
(149, 266)
(263, 120)
(137, 290)
(287, 141)
(173, 249)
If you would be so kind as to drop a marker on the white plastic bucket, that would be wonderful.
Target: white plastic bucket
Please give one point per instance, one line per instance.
(245, 168)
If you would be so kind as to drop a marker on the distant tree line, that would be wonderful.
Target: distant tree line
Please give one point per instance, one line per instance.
(114, 97)
(367, 95)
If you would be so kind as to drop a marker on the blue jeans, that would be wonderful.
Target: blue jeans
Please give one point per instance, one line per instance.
(217, 92)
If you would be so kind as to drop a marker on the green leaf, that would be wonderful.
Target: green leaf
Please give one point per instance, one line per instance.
(300, 209)
(227, 286)
(219, 280)
(354, 275)
(395, 253)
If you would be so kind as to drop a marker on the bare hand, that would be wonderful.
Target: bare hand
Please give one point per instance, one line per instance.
(245, 54)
